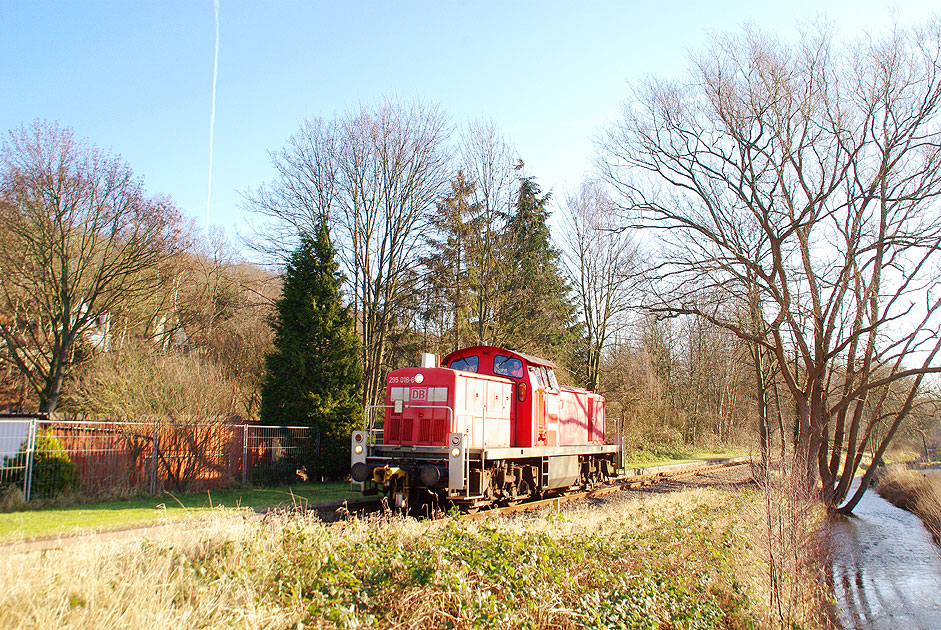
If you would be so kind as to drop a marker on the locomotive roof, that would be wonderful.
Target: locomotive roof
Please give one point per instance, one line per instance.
(533, 360)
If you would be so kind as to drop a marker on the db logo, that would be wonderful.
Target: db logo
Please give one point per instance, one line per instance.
(419, 393)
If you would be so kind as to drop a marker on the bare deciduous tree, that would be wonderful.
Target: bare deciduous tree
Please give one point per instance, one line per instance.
(599, 260)
(393, 169)
(374, 176)
(82, 242)
(804, 179)
(488, 160)
(304, 191)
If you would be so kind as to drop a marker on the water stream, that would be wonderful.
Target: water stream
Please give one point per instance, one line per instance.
(886, 569)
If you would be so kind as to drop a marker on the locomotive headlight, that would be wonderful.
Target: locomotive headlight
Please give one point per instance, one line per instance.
(358, 449)
(419, 378)
(455, 452)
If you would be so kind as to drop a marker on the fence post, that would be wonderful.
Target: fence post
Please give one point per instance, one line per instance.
(153, 462)
(30, 447)
(244, 454)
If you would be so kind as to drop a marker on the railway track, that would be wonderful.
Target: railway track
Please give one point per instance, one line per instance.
(622, 483)
(639, 478)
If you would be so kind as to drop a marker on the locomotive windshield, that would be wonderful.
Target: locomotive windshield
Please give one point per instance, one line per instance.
(466, 364)
(507, 366)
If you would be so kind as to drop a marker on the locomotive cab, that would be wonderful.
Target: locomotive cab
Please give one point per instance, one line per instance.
(535, 406)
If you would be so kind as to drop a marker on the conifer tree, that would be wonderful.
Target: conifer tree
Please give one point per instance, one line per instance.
(314, 376)
(538, 315)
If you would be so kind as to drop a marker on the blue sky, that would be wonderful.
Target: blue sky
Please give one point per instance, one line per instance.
(136, 77)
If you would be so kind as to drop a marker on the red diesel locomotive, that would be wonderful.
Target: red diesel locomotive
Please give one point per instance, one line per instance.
(494, 426)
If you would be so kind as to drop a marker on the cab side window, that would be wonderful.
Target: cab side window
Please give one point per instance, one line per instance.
(536, 376)
(507, 366)
(550, 375)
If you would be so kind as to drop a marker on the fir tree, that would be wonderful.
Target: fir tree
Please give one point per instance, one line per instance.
(314, 377)
(538, 315)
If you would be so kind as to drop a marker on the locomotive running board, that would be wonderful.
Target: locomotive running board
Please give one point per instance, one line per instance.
(544, 451)
(507, 452)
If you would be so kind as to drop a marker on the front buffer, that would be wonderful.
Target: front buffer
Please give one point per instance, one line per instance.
(406, 476)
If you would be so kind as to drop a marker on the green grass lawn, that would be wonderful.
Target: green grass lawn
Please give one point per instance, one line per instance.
(677, 454)
(28, 524)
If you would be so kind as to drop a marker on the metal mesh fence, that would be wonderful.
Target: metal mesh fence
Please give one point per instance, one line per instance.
(43, 456)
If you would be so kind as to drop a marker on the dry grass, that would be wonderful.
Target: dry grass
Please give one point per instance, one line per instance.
(916, 491)
(793, 544)
(684, 560)
(11, 499)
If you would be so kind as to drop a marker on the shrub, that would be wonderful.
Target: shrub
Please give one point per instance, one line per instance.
(280, 472)
(135, 381)
(53, 471)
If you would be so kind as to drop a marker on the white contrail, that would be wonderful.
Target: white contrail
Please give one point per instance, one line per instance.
(212, 115)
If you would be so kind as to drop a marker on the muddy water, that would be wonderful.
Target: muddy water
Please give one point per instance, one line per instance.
(886, 569)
